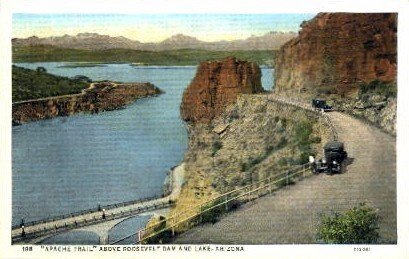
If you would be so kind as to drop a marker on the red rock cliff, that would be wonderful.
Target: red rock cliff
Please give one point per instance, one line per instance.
(337, 51)
(216, 85)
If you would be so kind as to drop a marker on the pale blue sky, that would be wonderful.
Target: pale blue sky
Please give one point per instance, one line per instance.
(157, 27)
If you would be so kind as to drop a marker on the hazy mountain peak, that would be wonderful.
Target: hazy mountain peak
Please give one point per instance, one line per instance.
(181, 38)
(89, 35)
(88, 40)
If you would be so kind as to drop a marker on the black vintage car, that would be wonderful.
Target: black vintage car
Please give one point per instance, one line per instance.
(319, 104)
(334, 155)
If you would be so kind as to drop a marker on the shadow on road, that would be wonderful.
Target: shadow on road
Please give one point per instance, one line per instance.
(348, 161)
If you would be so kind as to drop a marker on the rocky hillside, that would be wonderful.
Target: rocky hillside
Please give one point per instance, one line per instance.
(216, 85)
(252, 139)
(337, 55)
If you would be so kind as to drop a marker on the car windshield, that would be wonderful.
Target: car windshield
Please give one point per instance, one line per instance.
(334, 145)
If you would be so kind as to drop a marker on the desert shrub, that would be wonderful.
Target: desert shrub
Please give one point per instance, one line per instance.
(235, 181)
(164, 237)
(378, 87)
(213, 214)
(326, 90)
(303, 131)
(217, 145)
(251, 163)
(281, 143)
(284, 182)
(356, 226)
(243, 167)
(282, 162)
(234, 115)
(284, 122)
(316, 140)
(270, 148)
(303, 158)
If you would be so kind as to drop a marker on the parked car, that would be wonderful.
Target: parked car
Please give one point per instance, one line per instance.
(320, 104)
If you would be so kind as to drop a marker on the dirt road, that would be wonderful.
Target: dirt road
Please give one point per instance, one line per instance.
(291, 214)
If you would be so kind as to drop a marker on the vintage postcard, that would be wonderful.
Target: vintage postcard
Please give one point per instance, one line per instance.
(243, 130)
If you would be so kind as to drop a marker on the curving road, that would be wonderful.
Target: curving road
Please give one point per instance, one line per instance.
(291, 214)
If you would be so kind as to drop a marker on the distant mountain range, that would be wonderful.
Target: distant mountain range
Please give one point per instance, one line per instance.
(94, 41)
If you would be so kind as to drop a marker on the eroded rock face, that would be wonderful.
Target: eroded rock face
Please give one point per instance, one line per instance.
(217, 85)
(334, 52)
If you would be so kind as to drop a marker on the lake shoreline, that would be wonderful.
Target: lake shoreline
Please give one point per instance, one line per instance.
(100, 96)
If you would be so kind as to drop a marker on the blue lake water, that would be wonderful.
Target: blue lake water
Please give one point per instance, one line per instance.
(67, 164)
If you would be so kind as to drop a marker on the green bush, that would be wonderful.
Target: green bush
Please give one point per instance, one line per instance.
(303, 131)
(379, 87)
(356, 226)
(316, 140)
(164, 237)
(303, 158)
(285, 182)
(212, 215)
(282, 162)
(244, 167)
(217, 145)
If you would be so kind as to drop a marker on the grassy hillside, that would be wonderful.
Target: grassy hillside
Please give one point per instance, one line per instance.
(32, 84)
(171, 57)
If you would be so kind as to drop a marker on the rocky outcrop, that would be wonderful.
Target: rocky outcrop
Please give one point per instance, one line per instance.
(376, 109)
(216, 85)
(103, 96)
(335, 52)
